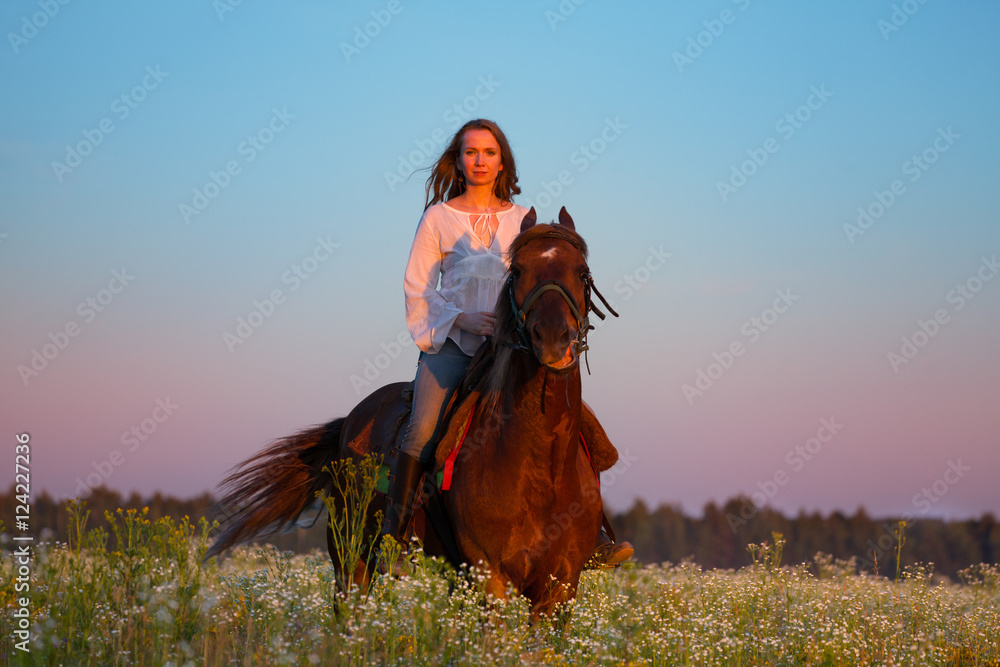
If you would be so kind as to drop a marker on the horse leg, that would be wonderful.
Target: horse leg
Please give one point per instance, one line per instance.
(495, 586)
(363, 571)
(554, 596)
(496, 589)
(353, 565)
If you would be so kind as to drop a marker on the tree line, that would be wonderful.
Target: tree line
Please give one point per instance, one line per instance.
(720, 537)
(717, 539)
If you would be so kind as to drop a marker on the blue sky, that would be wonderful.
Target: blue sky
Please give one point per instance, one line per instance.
(202, 85)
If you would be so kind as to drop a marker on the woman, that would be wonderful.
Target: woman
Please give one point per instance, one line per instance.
(468, 223)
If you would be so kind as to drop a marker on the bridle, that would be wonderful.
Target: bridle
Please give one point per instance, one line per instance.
(583, 326)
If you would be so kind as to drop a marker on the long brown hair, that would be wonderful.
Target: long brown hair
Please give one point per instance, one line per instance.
(445, 181)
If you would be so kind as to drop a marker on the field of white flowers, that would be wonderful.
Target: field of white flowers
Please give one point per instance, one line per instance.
(150, 601)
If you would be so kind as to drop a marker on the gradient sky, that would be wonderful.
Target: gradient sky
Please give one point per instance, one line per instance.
(643, 110)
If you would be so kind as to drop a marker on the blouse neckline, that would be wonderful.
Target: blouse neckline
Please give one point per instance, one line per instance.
(467, 221)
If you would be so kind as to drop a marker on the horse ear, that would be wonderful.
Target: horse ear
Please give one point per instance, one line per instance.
(565, 220)
(529, 219)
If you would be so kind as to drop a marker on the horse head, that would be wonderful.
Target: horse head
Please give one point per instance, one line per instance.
(549, 286)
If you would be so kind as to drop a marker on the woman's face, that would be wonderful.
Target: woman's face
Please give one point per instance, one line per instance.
(479, 160)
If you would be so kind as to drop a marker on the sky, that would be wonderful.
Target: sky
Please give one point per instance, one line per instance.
(206, 209)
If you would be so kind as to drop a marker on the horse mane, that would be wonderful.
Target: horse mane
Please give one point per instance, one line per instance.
(504, 327)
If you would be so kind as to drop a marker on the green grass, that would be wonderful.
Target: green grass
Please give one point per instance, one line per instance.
(148, 601)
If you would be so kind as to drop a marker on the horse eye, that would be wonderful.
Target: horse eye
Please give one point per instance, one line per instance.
(515, 272)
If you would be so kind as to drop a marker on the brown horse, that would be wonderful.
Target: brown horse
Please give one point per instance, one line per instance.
(524, 501)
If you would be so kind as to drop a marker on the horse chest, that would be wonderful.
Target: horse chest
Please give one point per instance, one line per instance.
(522, 523)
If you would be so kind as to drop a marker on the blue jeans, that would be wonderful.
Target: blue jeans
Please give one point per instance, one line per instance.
(438, 376)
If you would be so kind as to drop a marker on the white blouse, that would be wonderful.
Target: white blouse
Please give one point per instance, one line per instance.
(471, 274)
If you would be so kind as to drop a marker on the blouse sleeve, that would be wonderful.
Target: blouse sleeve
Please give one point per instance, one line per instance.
(428, 316)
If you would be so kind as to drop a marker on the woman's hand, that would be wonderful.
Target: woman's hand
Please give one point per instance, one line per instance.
(480, 323)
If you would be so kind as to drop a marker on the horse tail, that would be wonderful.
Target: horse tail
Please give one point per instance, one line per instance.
(269, 491)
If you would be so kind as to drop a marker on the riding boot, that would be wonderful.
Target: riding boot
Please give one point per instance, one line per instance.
(404, 486)
(609, 553)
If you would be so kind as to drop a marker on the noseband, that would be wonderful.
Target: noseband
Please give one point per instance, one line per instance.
(583, 326)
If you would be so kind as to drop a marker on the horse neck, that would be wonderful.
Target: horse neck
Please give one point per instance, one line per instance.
(552, 435)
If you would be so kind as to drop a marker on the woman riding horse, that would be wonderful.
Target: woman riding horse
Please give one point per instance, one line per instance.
(468, 224)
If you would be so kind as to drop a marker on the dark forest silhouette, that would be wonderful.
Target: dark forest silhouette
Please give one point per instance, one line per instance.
(718, 539)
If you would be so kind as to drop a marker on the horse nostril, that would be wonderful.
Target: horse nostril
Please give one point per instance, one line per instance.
(562, 337)
(565, 338)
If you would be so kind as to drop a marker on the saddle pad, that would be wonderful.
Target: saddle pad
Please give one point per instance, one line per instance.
(444, 475)
(382, 484)
(457, 416)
